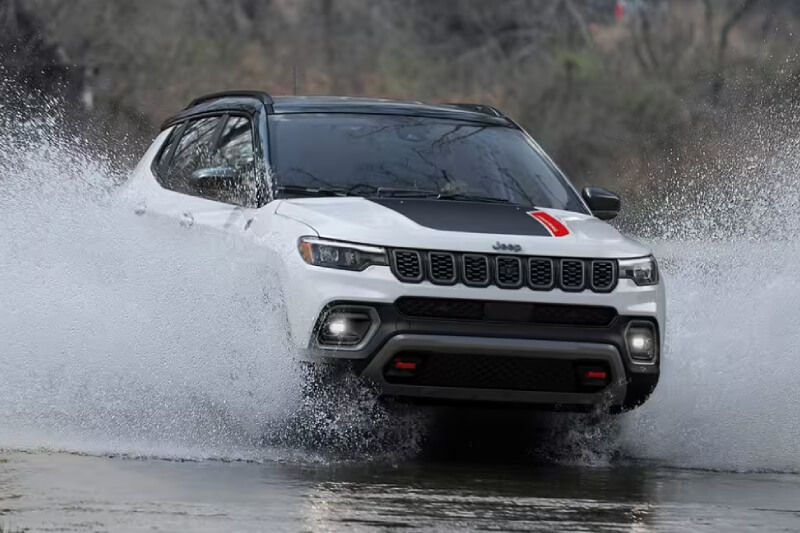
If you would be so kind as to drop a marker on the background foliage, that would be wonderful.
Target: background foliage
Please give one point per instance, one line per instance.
(663, 93)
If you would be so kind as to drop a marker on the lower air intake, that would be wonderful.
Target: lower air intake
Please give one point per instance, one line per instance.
(476, 371)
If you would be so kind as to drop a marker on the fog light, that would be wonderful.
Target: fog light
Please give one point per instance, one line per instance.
(344, 328)
(641, 340)
(337, 327)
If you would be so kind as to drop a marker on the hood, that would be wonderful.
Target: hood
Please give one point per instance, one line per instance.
(461, 226)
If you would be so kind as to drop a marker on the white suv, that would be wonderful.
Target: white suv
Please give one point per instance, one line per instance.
(436, 250)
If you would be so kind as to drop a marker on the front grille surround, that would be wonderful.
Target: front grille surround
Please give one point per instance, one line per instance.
(572, 275)
(407, 266)
(508, 272)
(505, 271)
(442, 268)
(541, 273)
(603, 275)
(476, 270)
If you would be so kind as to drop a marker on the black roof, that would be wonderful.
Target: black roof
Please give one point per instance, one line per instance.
(340, 104)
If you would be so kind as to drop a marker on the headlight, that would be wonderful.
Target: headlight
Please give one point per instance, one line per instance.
(341, 255)
(643, 271)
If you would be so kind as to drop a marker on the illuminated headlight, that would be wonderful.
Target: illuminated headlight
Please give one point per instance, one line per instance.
(643, 271)
(642, 341)
(341, 255)
(346, 327)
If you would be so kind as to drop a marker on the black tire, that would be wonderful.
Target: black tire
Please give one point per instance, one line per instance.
(640, 388)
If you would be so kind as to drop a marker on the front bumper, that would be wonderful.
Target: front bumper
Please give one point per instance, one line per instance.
(613, 395)
(561, 349)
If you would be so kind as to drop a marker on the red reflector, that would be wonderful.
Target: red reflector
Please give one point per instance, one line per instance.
(405, 365)
(596, 374)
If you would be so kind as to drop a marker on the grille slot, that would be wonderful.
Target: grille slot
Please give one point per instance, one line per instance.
(407, 265)
(573, 275)
(604, 276)
(508, 271)
(506, 312)
(442, 268)
(475, 270)
(541, 273)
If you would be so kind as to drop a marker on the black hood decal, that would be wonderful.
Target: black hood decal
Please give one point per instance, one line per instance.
(468, 217)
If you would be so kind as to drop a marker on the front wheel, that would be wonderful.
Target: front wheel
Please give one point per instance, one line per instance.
(640, 388)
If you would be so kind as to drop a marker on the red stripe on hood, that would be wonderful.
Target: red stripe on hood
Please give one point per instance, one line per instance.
(553, 225)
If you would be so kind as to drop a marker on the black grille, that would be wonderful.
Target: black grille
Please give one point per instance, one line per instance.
(442, 267)
(604, 276)
(475, 270)
(505, 271)
(509, 272)
(407, 265)
(440, 308)
(478, 371)
(507, 312)
(573, 275)
(541, 273)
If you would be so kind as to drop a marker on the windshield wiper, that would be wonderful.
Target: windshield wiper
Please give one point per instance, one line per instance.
(473, 198)
(422, 193)
(301, 190)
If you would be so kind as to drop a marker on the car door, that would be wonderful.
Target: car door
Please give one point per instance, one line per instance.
(207, 172)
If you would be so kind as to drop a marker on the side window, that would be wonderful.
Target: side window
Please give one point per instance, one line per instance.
(236, 143)
(194, 151)
(235, 151)
(213, 158)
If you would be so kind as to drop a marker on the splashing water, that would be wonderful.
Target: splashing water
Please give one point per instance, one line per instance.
(124, 335)
(728, 398)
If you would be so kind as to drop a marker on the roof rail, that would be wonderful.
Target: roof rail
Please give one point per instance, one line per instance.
(261, 96)
(477, 108)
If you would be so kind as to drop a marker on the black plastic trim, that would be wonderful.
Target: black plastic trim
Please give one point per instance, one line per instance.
(464, 270)
(553, 269)
(574, 288)
(476, 108)
(393, 323)
(615, 270)
(429, 264)
(405, 279)
(261, 96)
(497, 272)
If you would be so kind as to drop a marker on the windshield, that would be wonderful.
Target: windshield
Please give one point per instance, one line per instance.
(395, 154)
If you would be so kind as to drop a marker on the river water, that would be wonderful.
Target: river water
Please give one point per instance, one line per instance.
(59, 492)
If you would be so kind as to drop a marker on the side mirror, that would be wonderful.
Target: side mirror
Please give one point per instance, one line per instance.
(214, 178)
(604, 204)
